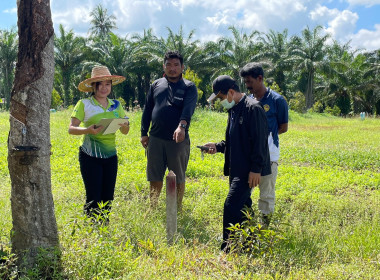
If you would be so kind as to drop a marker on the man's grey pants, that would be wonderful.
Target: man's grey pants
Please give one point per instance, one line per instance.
(267, 191)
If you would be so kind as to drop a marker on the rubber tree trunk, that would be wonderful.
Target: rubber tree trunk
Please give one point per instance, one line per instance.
(34, 224)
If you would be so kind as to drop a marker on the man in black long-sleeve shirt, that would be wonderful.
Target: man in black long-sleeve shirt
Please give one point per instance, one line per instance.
(245, 149)
(170, 104)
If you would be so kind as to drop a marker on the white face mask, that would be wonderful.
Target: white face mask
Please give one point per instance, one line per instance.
(226, 104)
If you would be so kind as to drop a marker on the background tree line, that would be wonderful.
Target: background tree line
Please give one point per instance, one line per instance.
(309, 70)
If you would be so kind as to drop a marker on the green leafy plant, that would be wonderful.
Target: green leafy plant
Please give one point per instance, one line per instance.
(253, 238)
(8, 267)
(56, 100)
(317, 107)
(192, 76)
(49, 265)
(335, 111)
(298, 102)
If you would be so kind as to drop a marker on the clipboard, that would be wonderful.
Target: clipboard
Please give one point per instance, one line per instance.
(110, 125)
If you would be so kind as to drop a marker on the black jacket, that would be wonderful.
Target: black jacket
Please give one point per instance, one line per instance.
(246, 146)
(166, 105)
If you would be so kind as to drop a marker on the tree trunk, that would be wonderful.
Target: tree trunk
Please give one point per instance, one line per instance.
(66, 87)
(7, 88)
(140, 90)
(34, 224)
(310, 90)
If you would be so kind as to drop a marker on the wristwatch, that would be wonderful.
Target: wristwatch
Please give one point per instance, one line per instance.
(182, 125)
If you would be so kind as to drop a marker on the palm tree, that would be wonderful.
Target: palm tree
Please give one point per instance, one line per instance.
(360, 85)
(148, 52)
(8, 57)
(102, 23)
(339, 83)
(351, 81)
(118, 55)
(307, 54)
(201, 59)
(276, 50)
(69, 54)
(373, 75)
(235, 52)
(186, 46)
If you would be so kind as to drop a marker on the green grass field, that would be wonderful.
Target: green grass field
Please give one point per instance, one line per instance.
(328, 207)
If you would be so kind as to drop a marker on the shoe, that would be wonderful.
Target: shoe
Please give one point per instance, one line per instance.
(265, 220)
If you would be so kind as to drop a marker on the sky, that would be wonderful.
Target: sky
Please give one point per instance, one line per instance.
(354, 21)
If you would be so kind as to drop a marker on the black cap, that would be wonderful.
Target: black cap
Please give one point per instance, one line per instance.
(221, 83)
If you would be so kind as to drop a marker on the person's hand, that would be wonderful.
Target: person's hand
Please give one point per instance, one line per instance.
(144, 141)
(92, 129)
(124, 127)
(179, 135)
(126, 124)
(254, 179)
(212, 148)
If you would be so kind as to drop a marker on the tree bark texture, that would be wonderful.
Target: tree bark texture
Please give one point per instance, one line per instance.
(34, 224)
(310, 90)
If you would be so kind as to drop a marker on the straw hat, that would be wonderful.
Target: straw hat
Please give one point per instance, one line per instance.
(98, 74)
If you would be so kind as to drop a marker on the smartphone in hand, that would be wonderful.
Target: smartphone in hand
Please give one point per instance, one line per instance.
(203, 148)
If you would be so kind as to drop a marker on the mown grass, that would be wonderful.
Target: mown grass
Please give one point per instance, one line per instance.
(328, 207)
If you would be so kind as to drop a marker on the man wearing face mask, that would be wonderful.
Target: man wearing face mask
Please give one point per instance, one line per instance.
(245, 149)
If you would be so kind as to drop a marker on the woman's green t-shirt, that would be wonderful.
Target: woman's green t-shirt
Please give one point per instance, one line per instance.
(90, 112)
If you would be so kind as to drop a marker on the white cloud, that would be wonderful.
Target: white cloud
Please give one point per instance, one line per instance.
(273, 14)
(251, 14)
(269, 10)
(214, 37)
(344, 23)
(366, 3)
(323, 13)
(210, 5)
(211, 18)
(220, 18)
(273, 10)
(252, 21)
(137, 15)
(340, 24)
(11, 11)
(78, 16)
(367, 39)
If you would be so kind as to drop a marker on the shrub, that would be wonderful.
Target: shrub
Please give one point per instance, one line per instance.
(192, 76)
(298, 102)
(335, 111)
(56, 100)
(274, 86)
(122, 102)
(252, 238)
(8, 267)
(317, 107)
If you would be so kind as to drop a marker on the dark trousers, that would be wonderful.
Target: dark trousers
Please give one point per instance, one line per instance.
(99, 177)
(238, 196)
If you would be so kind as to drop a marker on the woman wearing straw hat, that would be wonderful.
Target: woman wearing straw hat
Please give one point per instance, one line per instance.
(97, 154)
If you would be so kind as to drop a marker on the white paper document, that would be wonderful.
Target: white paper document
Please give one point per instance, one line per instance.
(111, 125)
